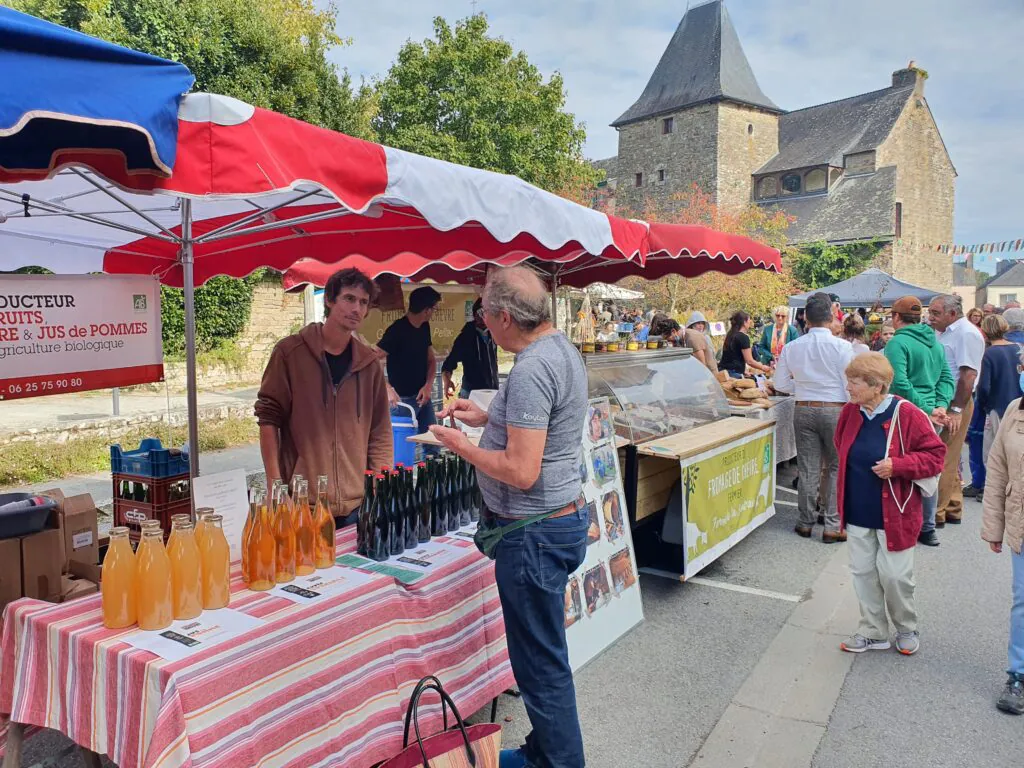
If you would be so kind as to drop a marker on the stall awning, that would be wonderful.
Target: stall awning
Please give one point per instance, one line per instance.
(67, 97)
(866, 289)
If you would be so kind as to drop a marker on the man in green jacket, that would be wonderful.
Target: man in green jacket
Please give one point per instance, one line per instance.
(921, 376)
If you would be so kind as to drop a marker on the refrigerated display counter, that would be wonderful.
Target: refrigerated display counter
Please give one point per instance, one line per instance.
(697, 480)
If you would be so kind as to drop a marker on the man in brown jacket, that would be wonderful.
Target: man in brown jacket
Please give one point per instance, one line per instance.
(322, 407)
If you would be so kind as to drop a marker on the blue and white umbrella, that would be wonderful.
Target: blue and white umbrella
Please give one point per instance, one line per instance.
(66, 97)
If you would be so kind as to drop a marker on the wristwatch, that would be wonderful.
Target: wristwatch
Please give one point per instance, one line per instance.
(955, 409)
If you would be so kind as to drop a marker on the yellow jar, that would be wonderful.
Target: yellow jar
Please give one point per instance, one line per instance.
(652, 344)
(632, 346)
(588, 347)
(613, 346)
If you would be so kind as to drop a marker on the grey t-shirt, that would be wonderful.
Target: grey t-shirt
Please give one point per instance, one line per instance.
(547, 389)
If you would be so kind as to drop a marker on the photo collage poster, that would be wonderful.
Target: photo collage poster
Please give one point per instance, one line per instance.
(602, 600)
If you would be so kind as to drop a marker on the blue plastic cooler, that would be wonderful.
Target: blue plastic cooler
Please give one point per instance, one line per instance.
(403, 428)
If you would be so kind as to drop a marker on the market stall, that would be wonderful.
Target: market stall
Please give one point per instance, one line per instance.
(311, 682)
(870, 287)
(697, 480)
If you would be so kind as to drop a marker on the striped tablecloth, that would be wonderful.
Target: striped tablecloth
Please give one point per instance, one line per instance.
(323, 685)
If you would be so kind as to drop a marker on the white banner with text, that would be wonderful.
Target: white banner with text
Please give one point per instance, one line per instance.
(70, 333)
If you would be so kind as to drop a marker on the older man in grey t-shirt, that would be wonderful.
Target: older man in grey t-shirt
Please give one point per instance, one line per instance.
(528, 465)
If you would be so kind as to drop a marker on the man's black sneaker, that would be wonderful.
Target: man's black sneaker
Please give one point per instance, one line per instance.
(1012, 699)
(928, 538)
(970, 492)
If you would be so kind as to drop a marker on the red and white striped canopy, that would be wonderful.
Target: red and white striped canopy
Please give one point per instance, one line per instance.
(674, 249)
(268, 190)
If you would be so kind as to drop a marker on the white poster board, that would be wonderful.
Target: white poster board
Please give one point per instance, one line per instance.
(228, 495)
(70, 333)
(602, 601)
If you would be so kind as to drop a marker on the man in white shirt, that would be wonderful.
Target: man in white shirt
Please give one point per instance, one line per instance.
(813, 368)
(964, 346)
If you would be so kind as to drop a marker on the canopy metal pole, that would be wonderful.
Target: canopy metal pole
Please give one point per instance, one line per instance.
(554, 298)
(187, 260)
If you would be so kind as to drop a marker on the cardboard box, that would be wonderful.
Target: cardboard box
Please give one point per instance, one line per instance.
(79, 523)
(42, 561)
(93, 573)
(10, 571)
(73, 588)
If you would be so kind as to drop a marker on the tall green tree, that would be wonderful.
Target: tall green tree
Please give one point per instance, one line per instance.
(470, 98)
(271, 53)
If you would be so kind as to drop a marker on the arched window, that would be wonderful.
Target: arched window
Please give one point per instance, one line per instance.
(814, 181)
(767, 187)
(791, 184)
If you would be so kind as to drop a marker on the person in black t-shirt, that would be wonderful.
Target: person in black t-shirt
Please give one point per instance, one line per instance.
(736, 352)
(410, 360)
(477, 352)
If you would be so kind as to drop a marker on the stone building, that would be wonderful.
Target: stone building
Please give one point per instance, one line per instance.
(868, 167)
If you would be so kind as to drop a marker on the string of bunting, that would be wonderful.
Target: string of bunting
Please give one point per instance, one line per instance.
(1002, 247)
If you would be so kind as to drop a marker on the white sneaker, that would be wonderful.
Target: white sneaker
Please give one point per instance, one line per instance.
(858, 644)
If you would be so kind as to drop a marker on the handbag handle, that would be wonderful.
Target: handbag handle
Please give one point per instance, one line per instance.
(427, 682)
(433, 684)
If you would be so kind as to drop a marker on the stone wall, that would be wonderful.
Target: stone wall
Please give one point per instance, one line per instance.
(688, 156)
(925, 185)
(275, 314)
(747, 139)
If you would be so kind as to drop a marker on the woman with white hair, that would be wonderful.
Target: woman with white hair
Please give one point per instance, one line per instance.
(1003, 520)
(776, 336)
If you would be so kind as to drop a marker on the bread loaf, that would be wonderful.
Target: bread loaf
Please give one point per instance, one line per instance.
(752, 394)
(744, 383)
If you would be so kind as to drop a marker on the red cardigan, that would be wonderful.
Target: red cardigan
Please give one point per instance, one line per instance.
(924, 458)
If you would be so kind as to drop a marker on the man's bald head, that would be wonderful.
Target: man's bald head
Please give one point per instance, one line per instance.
(520, 292)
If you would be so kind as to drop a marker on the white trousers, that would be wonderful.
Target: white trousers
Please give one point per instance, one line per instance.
(881, 579)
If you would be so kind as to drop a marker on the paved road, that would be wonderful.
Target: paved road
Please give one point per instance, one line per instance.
(720, 678)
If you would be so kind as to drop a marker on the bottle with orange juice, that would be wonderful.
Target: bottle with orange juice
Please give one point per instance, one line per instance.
(284, 535)
(263, 549)
(216, 565)
(201, 515)
(254, 500)
(323, 524)
(153, 592)
(118, 584)
(186, 571)
(305, 533)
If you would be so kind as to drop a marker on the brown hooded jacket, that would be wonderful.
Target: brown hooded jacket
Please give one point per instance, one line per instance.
(325, 430)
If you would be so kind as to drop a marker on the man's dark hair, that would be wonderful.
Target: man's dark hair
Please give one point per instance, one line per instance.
(664, 326)
(345, 278)
(478, 305)
(819, 309)
(423, 298)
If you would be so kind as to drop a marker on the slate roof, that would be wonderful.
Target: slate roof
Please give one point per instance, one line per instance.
(856, 208)
(704, 62)
(823, 134)
(1011, 278)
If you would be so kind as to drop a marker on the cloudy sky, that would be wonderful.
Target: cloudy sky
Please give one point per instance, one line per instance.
(803, 52)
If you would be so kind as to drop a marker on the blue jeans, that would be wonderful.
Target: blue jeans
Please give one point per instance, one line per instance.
(1017, 617)
(929, 505)
(975, 443)
(425, 416)
(532, 567)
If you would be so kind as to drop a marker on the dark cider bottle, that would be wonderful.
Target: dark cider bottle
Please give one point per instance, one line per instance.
(439, 502)
(379, 544)
(363, 519)
(396, 511)
(454, 497)
(423, 494)
(475, 495)
(412, 510)
(465, 494)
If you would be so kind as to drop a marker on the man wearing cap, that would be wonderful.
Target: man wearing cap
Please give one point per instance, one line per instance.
(964, 347)
(813, 368)
(411, 364)
(696, 338)
(921, 376)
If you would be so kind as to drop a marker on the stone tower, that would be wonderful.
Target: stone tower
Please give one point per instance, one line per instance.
(702, 119)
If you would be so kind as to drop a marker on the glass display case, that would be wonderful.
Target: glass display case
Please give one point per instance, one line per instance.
(655, 393)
